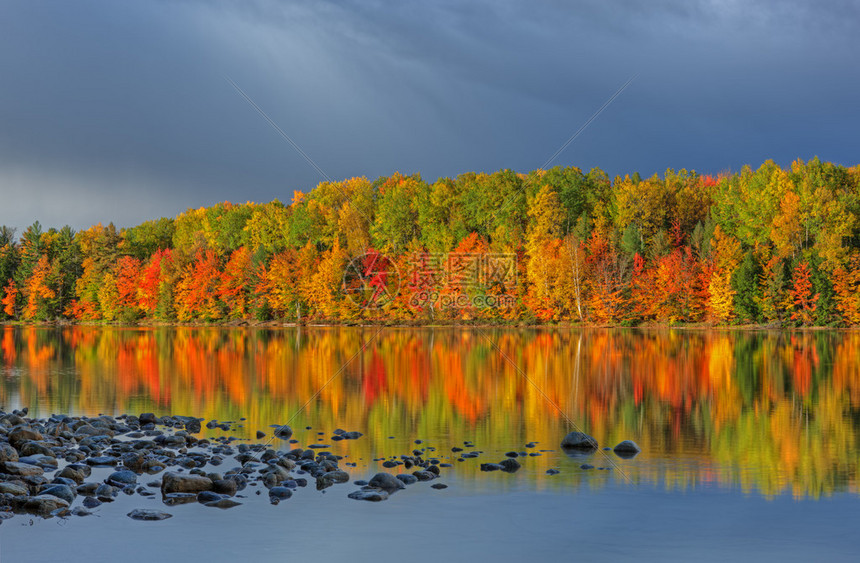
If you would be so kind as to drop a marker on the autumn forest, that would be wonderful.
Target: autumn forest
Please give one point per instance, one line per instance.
(771, 246)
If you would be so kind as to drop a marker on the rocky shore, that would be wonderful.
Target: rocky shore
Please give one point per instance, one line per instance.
(48, 466)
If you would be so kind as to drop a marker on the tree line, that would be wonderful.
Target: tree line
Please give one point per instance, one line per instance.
(775, 246)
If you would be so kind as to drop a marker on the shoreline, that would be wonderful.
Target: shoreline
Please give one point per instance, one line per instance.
(773, 327)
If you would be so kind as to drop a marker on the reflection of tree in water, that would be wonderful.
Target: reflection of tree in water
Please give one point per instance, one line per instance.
(775, 412)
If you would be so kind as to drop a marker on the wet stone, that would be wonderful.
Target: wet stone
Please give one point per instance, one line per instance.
(371, 495)
(148, 515)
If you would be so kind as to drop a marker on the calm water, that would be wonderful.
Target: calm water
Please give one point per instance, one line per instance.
(750, 440)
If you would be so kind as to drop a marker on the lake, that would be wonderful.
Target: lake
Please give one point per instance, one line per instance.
(749, 440)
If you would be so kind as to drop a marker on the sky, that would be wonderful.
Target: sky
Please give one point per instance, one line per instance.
(125, 111)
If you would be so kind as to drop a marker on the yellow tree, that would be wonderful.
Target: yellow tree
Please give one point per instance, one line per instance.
(726, 256)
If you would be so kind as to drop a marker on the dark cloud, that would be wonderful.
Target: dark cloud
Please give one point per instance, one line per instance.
(117, 111)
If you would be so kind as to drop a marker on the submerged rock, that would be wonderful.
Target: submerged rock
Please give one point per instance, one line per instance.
(149, 515)
(372, 495)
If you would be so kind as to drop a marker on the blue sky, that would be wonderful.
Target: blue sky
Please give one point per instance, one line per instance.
(118, 111)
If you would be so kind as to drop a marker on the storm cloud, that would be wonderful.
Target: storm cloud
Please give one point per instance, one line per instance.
(124, 112)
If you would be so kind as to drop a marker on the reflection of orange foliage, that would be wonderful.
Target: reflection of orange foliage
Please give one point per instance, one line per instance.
(671, 391)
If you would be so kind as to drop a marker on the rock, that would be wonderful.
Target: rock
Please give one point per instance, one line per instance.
(60, 491)
(13, 489)
(510, 465)
(260, 434)
(372, 495)
(133, 461)
(75, 472)
(225, 486)
(627, 449)
(284, 432)
(586, 466)
(91, 502)
(46, 462)
(208, 496)
(328, 479)
(424, 475)
(438, 486)
(579, 441)
(280, 493)
(20, 434)
(177, 483)
(192, 426)
(122, 478)
(34, 448)
(148, 515)
(106, 493)
(179, 498)
(8, 453)
(387, 482)
(552, 471)
(78, 511)
(490, 467)
(148, 418)
(44, 504)
(223, 503)
(405, 477)
(102, 460)
(21, 469)
(351, 435)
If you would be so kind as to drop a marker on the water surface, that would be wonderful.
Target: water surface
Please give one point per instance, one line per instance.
(750, 443)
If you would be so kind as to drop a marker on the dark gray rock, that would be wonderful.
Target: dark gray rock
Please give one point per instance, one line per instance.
(579, 441)
(627, 449)
(46, 462)
(387, 482)
(284, 432)
(91, 502)
(225, 486)
(372, 495)
(60, 491)
(510, 465)
(148, 515)
(208, 496)
(280, 493)
(405, 477)
(122, 478)
(424, 475)
(102, 460)
(438, 486)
